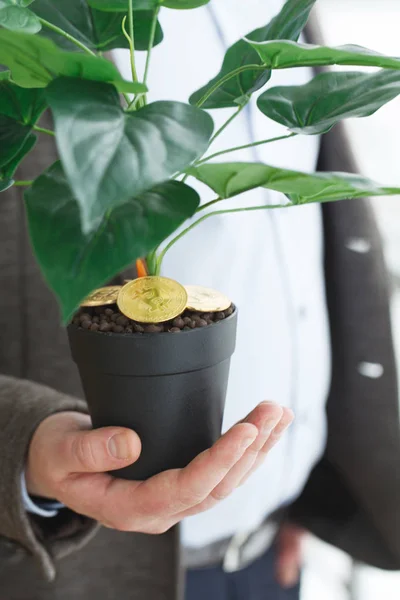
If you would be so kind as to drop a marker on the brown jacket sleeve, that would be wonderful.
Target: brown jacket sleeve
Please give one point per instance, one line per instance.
(23, 405)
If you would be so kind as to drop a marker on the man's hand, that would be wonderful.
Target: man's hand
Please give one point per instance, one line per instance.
(68, 462)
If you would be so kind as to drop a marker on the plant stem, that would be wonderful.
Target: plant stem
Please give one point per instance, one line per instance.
(66, 35)
(225, 125)
(127, 100)
(226, 78)
(276, 139)
(212, 214)
(23, 183)
(132, 103)
(150, 46)
(216, 134)
(208, 204)
(132, 40)
(151, 261)
(43, 130)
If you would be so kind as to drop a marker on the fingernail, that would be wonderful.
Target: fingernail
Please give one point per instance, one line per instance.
(118, 446)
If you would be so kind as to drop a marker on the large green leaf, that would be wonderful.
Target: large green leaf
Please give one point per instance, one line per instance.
(19, 110)
(315, 107)
(230, 179)
(7, 170)
(288, 24)
(94, 28)
(35, 61)
(122, 5)
(284, 55)
(74, 263)
(110, 155)
(14, 16)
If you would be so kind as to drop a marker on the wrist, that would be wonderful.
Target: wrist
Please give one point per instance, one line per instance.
(42, 464)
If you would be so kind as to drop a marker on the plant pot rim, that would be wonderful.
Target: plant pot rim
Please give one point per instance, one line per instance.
(129, 354)
(154, 334)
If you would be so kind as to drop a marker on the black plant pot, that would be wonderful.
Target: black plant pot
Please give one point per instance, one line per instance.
(169, 387)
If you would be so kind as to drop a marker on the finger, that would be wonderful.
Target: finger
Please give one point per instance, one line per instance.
(286, 421)
(99, 450)
(272, 439)
(174, 491)
(265, 417)
(289, 556)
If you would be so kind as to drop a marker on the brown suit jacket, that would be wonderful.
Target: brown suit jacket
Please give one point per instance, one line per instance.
(352, 498)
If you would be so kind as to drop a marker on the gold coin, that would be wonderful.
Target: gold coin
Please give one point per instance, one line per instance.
(103, 295)
(205, 299)
(152, 299)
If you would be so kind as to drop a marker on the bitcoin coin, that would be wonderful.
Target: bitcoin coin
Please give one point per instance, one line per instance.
(104, 295)
(205, 299)
(152, 299)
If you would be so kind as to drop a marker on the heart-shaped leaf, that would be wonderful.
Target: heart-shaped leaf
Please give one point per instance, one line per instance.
(19, 110)
(14, 16)
(284, 55)
(317, 106)
(230, 179)
(122, 5)
(236, 91)
(110, 155)
(74, 263)
(7, 170)
(35, 61)
(94, 28)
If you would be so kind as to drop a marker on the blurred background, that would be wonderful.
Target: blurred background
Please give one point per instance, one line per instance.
(330, 574)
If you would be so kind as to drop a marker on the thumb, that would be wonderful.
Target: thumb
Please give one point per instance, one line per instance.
(100, 450)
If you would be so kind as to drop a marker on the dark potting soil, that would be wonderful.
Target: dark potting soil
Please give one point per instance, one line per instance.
(110, 320)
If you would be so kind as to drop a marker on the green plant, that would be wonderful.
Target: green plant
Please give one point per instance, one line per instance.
(119, 189)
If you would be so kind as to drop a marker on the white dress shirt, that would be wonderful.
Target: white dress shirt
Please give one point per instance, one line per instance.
(270, 263)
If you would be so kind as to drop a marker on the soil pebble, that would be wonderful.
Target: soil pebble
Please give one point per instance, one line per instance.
(101, 319)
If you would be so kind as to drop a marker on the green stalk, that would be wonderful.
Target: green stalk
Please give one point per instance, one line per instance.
(244, 147)
(23, 183)
(131, 40)
(226, 78)
(151, 261)
(132, 36)
(43, 130)
(66, 35)
(151, 43)
(208, 204)
(217, 133)
(225, 125)
(212, 214)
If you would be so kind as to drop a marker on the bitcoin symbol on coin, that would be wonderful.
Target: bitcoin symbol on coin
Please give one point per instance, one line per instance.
(152, 299)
